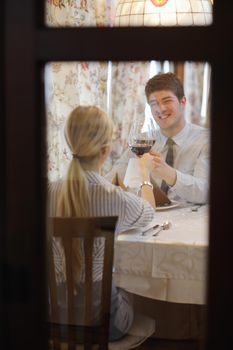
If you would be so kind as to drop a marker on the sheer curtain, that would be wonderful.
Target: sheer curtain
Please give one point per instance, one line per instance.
(69, 85)
(116, 87)
(127, 101)
(78, 13)
(197, 92)
(74, 83)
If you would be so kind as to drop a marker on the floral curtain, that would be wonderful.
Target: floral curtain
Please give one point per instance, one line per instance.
(74, 83)
(194, 85)
(127, 101)
(78, 13)
(63, 93)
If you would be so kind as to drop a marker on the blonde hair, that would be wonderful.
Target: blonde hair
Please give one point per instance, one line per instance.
(87, 130)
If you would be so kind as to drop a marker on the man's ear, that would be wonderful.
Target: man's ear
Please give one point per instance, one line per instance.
(183, 101)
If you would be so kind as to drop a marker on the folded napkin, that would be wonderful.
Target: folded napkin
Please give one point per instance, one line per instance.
(132, 180)
(132, 177)
(161, 199)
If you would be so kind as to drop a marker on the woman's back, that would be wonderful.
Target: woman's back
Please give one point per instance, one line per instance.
(85, 193)
(109, 200)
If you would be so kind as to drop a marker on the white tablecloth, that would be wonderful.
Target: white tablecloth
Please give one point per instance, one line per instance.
(170, 266)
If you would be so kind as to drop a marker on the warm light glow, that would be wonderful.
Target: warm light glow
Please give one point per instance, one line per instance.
(163, 13)
(159, 2)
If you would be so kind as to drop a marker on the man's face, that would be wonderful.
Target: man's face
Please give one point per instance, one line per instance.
(167, 111)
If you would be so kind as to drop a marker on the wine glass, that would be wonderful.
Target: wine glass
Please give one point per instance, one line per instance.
(142, 136)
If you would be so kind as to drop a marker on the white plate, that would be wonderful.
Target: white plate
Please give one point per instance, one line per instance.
(173, 204)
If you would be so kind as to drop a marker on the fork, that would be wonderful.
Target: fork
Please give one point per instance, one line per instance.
(164, 226)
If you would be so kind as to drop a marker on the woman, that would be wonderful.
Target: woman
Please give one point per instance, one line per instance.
(85, 192)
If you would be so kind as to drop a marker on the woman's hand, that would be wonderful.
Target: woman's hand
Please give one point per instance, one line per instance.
(145, 163)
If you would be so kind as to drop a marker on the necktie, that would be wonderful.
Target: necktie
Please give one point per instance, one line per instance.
(169, 161)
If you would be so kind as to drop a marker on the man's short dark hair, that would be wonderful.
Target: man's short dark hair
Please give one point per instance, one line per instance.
(165, 81)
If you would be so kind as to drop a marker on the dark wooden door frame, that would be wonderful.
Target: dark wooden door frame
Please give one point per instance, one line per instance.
(28, 45)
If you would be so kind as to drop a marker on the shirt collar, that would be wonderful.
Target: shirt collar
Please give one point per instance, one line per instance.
(182, 135)
(178, 138)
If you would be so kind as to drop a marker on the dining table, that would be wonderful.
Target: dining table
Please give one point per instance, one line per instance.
(170, 266)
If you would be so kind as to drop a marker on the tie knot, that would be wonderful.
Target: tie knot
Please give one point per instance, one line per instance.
(170, 142)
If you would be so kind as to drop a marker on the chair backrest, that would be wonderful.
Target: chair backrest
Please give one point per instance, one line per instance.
(64, 327)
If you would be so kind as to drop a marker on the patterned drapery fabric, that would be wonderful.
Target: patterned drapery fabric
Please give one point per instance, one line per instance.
(74, 83)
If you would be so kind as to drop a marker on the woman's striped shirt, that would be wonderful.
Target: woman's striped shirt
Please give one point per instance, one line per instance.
(105, 200)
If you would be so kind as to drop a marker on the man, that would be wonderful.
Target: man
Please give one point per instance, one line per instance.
(187, 178)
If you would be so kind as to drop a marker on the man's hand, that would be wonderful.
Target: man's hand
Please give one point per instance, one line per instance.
(161, 169)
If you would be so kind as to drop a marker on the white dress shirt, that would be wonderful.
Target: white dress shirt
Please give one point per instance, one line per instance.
(191, 161)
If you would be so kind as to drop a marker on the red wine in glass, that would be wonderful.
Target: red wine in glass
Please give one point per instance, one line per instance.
(141, 137)
(141, 146)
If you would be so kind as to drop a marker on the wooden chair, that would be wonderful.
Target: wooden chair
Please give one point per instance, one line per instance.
(66, 336)
(87, 230)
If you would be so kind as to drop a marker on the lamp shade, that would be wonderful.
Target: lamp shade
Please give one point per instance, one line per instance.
(163, 13)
